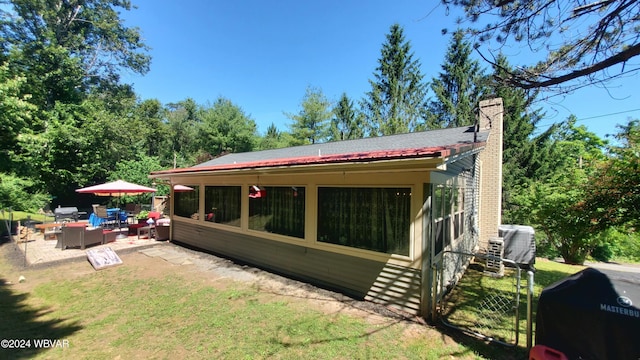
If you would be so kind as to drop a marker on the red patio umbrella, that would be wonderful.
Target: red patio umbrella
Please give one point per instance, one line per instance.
(181, 188)
(116, 188)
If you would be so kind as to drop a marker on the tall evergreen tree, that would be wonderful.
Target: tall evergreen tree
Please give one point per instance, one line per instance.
(521, 149)
(457, 88)
(310, 124)
(276, 139)
(346, 123)
(396, 102)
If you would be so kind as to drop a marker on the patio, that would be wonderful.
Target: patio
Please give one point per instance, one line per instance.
(40, 251)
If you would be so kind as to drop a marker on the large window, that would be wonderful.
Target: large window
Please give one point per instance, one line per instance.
(277, 209)
(222, 204)
(375, 219)
(185, 203)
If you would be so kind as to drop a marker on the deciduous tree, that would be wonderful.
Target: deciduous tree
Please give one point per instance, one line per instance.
(182, 125)
(67, 46)
(614, 194)
(15, 115)
(226, 128)
(553, 203)
(274, 139)
(310, 124)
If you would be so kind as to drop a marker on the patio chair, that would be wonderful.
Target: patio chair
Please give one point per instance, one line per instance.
(71, 237)
(80, 236)
(132, 210)
(92, 237)
(162, 232)
(101, 212)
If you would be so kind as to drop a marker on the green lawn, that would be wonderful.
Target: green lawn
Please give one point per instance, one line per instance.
(164, 311)
(15, 216)
(161, 311)
(484, 305)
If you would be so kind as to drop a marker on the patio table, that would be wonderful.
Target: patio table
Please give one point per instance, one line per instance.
(50, 230)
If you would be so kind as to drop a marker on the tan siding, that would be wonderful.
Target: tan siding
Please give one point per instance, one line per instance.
(366, 279)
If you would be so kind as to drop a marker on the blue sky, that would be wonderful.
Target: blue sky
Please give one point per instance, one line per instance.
(262, 55)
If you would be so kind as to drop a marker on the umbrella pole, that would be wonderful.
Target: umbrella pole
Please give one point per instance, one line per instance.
(120, 235)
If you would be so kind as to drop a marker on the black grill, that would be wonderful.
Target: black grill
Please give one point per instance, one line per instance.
(66, 214)
(593, 314)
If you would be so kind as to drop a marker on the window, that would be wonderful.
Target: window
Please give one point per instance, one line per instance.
(376, 219)
(277, 209)
(439, 218)
(186, 203)
(448, 212)
(458, 211)
(222, 204)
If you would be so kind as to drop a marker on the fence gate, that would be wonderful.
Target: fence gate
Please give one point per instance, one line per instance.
(486, 301)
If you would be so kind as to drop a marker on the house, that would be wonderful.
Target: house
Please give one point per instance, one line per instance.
(374, 218)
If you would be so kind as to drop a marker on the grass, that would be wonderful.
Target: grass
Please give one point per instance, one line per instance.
(484, 304)
(11, 219)
(124, 313)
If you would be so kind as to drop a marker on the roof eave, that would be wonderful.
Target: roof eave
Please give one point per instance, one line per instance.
(301, 163)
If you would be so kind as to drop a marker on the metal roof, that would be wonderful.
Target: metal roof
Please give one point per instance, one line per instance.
(424, 144)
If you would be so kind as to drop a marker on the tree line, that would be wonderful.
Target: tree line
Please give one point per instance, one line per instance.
(67, 121)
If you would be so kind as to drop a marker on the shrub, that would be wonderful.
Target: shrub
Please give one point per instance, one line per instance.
(16, 193)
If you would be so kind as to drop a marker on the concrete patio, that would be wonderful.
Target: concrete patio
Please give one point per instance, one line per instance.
(38, 251)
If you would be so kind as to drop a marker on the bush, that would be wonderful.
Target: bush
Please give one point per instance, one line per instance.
(16, 193)
(619, 244)
(602, 252)
(143, 214)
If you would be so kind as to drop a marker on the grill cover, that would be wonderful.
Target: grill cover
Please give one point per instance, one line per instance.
(592, 314)
(519, 244)
(69, 213)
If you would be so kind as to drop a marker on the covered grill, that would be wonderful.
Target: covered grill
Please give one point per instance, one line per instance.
(592, 314)
(66, 214)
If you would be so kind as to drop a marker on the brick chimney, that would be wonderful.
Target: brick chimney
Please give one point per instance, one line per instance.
(490, 213)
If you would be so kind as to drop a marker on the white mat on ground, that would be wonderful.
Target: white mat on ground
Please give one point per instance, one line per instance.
(103, 258)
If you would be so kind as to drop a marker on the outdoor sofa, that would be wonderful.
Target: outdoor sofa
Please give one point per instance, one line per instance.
(79, 236)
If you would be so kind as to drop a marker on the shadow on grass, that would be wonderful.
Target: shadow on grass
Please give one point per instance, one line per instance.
(21, 321)
(484, 348)
(472, 292)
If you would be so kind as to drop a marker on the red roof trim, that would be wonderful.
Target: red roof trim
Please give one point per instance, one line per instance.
(427, 152)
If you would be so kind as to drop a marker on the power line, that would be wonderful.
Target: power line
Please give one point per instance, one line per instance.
(605, 115)
(592, 117)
